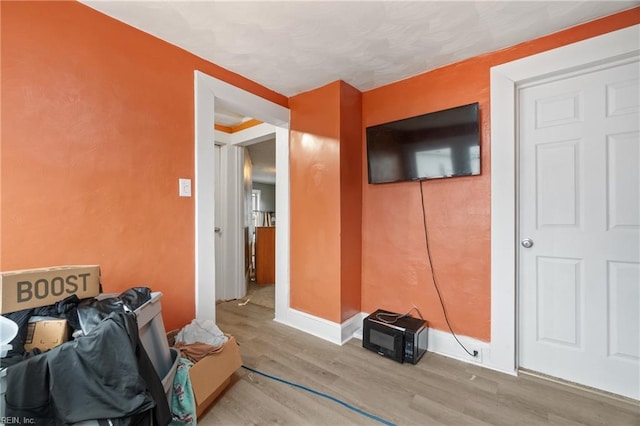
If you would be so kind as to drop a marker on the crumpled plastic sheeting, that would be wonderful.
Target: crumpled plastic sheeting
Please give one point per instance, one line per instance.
(201, 331)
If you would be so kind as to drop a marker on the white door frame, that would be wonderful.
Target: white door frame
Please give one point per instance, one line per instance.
(505, 79)
(208, 91)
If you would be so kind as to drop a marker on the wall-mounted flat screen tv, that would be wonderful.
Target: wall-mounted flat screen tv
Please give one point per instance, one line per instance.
(440, 144)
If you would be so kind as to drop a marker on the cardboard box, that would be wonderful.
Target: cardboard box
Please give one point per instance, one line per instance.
(45, 286)
(46, 334)
(212, 374)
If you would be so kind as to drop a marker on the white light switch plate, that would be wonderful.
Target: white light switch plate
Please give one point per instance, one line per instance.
(185, 187)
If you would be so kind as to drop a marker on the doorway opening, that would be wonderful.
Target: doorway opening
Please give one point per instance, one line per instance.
(212, 94)
(261, 283)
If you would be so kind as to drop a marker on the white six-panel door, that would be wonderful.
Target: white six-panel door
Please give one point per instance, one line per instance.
(579, 198)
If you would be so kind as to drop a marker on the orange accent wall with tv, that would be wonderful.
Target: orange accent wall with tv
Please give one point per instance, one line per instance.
(395, 270)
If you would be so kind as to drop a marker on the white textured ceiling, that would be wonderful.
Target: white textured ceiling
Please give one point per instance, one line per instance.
(296, 46)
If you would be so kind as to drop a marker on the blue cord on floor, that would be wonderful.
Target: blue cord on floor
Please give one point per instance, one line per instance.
(324, 395)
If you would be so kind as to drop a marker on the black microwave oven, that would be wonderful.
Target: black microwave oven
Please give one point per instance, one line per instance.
(401, 338)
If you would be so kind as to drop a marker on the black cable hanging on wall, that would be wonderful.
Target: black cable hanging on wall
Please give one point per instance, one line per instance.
(433, 274)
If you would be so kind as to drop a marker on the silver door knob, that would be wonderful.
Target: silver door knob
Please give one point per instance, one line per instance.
(217, 230)
(527, 243)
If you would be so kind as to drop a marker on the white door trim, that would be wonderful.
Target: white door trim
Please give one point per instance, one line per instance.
(504, 81)
(205, 273)
(209, 90)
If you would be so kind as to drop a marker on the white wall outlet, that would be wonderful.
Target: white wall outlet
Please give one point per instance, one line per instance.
(185, 187)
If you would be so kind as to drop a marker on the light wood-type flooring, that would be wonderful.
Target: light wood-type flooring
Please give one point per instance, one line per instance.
(261, 294)
(438, 390)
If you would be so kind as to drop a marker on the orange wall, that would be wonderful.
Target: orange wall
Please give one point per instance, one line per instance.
(314, 175)
(97, 127)
(325, 199)
(395, 272)
(350, 200)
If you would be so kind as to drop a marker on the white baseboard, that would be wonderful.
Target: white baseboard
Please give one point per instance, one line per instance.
(440, 342)
(313, 325)
(443, 343)
(352, 327)
(322, 328)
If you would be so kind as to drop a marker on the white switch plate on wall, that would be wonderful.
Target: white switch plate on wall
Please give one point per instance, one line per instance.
(185, 187)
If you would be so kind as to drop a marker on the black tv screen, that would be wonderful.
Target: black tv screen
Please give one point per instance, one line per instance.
(440, 144)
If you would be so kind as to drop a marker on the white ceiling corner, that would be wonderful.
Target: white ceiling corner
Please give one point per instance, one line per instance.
(296, 46)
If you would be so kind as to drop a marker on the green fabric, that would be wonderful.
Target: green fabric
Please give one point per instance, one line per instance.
(183, 402)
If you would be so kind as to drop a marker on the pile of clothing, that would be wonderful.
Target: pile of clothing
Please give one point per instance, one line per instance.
(104, 374)
(199, 339)
(195, 341)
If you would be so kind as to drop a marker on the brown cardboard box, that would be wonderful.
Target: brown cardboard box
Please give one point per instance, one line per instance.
(211, 375)
(45, 286)
(46, 334)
